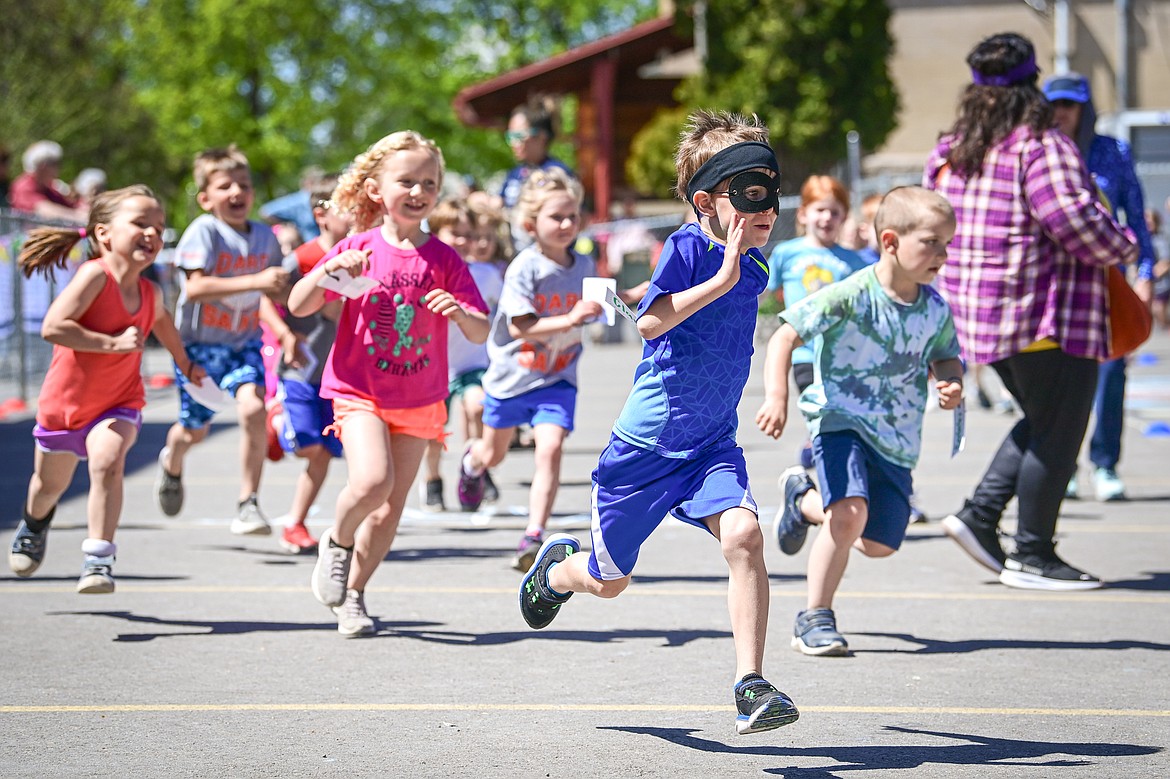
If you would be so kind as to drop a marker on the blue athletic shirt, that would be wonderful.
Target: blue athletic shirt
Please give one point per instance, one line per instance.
(690, 380)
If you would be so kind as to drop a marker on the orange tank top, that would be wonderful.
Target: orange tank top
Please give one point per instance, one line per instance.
(80, 386)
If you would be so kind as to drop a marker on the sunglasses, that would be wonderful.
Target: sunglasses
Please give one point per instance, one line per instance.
(519, 136)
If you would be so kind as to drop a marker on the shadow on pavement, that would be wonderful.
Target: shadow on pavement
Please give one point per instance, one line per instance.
(670, 637)
(973, 750)
(931, 646)
(1157, 581)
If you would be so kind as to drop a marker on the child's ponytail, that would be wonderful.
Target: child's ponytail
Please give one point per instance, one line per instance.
(47, 248)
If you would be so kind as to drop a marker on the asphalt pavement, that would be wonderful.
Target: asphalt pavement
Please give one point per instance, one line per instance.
(214, 659)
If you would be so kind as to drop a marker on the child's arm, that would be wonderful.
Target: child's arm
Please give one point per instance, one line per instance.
(307, 298)
(474, 324)
(533, 326)
(204, 287)
(288, 339)
(773, 414)
(671, 310)
(949, 382)
(61, 327)
(167, 335)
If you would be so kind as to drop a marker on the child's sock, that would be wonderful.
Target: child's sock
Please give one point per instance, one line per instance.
(38, 525)
(469, 469)
(547, 582)
(99, 547)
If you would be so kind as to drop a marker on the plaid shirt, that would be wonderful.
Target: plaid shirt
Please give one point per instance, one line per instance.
(1028, 256)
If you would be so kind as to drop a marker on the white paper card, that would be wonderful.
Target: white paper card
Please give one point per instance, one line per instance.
(348, 286)
(208, 394)
(605, 293)
(959, 439)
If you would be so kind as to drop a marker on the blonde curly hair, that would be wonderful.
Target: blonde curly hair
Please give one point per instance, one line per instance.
(350, 195)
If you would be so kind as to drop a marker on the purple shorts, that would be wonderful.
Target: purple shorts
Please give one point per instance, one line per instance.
(73, 441)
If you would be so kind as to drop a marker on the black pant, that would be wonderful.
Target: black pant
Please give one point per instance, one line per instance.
(1034, 463)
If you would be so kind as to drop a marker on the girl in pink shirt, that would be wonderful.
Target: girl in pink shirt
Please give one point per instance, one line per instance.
(387, 372)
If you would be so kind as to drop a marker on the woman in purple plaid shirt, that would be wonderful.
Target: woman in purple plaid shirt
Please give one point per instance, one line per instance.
(1026, 284)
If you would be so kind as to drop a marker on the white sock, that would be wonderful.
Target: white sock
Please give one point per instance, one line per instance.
(97, 547)
(468, 467)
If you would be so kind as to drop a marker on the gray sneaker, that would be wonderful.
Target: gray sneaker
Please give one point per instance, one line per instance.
(790, 528)
(331, 574)
(97, 576)
(28, 550)
(168, 487)
(251, 520)
(815, 633)
(352, 619)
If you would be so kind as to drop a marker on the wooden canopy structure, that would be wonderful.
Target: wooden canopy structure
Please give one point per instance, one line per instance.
(619, 87)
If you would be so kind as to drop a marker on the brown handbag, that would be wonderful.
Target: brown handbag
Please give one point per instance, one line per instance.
(1130, 322)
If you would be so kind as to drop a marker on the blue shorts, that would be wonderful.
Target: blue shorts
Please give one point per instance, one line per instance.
(847, 467)
(306, 415)
(230, 368)
(555, 405)
(634, 489)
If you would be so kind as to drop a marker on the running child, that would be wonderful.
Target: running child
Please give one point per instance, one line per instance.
(231, 265)
(673, 448)
(305, 344)
(90, 406)
(534, 347)
(876, 338)
(387, 371)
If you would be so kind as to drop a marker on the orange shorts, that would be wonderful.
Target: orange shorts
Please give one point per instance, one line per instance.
(424, 422)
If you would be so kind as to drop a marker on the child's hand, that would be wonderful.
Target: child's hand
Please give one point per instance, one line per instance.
(129, 340)
(584, 311)
(772, 417)
(290, 349)
(950, 394)
(731, 254)
(352, 261)
(443, 303)
(272, 280)
(195, 373)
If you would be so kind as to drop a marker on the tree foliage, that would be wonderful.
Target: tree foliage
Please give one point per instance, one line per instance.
(811, 69)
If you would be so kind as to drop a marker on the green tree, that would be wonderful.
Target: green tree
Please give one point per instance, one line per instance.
(811, 69)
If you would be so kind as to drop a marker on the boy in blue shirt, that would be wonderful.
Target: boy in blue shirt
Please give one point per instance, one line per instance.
(673, 448)
(876, 337)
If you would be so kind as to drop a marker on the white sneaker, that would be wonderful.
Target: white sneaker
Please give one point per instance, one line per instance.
(352, 619)
(331, 573)
(1109, 486)
(251, 521)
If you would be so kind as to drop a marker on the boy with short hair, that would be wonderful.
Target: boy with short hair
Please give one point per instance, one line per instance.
(301, 413)
(230, 266)
(673, 448)
(876, 337)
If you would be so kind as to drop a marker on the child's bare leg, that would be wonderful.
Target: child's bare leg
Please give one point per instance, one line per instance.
(254, 440)
(546, 476)
(431, 460)
(179, 441)
(52, 475)
(473, 412)
(573, 575)
(738, 531)
(376, 535)
(370, 476)
(845, 521)
(310, 481)
(490, 450)
(107, 445)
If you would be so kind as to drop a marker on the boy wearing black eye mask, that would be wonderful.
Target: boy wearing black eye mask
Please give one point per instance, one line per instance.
(673, 449)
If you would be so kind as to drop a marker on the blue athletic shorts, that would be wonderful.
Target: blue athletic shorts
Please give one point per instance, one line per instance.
(847, 467)
(230, 368)
(306, 415)
(555, 405)
(634, 489)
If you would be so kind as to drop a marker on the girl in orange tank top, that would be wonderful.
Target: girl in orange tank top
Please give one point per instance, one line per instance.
(90, 406)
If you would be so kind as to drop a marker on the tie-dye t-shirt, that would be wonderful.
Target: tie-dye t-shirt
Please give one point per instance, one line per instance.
(871, 358)
(689, 383)
(390, 348)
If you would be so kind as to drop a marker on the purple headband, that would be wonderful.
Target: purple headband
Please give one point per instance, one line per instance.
(1016, 75)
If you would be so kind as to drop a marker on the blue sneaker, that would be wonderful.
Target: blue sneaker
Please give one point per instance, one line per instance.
(790, 527)
(538, 603)
(815, 633)
(760, 706)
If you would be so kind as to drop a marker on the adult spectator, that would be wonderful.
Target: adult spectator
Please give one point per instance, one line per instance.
(37, 190)
(531, 129)
(89, 183)
(296, 207)
(1026, 286)
(1111, 166)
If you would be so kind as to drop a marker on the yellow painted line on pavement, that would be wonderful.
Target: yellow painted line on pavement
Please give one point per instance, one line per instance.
(645, 590)
(132, 708)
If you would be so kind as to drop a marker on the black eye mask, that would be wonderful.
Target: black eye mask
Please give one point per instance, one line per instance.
(733, 162)
(752, 192)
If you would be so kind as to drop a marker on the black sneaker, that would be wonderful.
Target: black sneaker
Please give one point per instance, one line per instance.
(760, 706)
(977, 539)
(433, 496)
(168, 487)
(538, 603)
(28, 550)
(815, 633)
(790, 527)
(1042, 572)
(491, 493)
